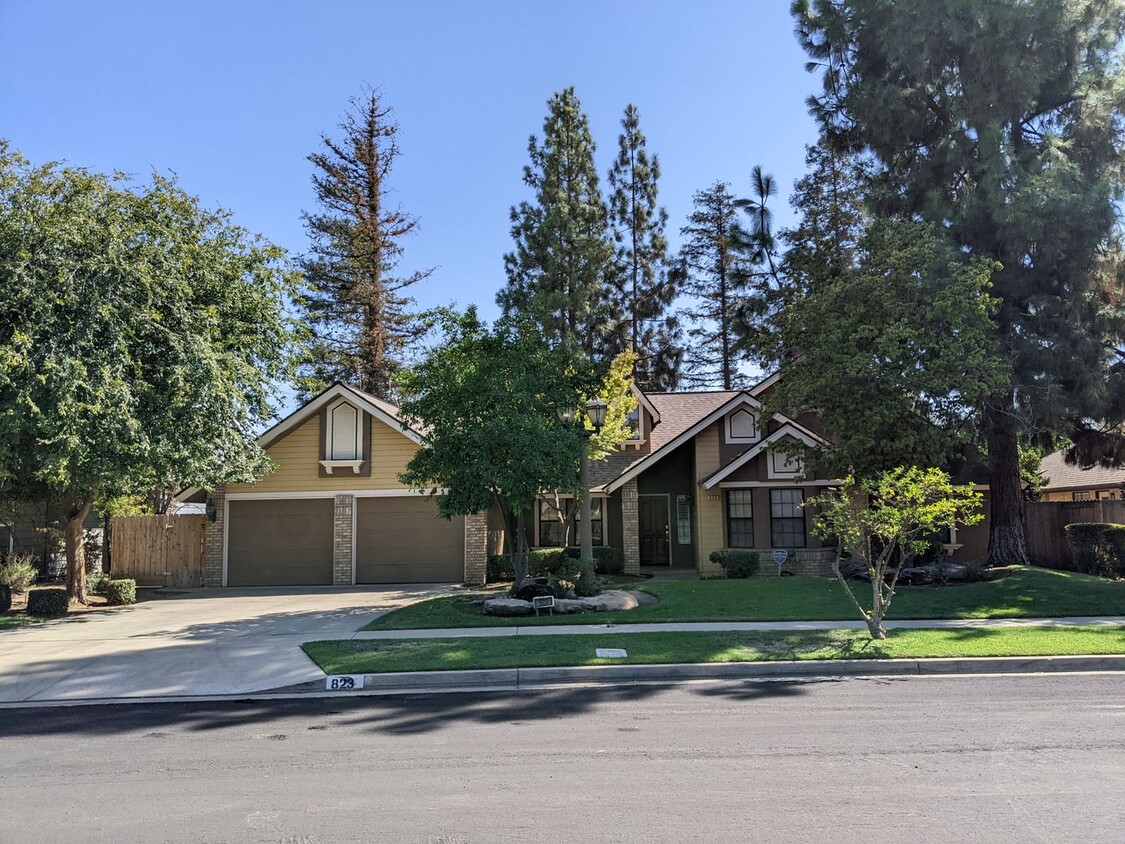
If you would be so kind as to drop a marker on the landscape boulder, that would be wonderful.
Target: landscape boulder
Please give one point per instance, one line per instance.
(613, 600)
(507, 606)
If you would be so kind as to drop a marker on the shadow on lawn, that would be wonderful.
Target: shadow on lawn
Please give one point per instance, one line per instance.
(406, 715)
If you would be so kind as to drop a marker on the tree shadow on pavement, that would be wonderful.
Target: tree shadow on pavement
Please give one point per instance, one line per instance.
(389, 715)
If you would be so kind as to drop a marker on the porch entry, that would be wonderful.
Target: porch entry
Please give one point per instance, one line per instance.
(654, 530)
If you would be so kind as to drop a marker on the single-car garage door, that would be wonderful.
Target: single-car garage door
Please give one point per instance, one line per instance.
(280, 542)
(402, 539)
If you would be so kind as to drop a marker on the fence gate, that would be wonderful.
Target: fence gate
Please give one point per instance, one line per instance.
(1047, 521)
(158, 550)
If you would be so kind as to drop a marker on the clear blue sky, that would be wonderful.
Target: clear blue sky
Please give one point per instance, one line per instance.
(232, 97)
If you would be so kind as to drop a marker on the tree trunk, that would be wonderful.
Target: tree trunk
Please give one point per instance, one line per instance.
(875, 628)
(75, 552)
(1007, 539)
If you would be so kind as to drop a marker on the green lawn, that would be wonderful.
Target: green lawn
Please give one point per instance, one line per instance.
(375, 656)
(1024, 593)
(8, 622)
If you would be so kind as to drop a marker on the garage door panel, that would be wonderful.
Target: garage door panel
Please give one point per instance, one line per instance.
(403, 540)
(280, 542)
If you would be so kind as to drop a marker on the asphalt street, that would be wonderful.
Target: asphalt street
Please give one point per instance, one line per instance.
(1005, 758)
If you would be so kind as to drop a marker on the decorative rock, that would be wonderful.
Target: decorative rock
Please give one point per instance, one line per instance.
(614, 600)
(507, 606)
(569, 606)
(645, 599)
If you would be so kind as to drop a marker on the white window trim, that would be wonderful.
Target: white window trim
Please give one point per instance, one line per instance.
(774, 473)
(357, 463)
(729, 427)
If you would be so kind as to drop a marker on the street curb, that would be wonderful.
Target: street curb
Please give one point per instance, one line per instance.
(517, 678)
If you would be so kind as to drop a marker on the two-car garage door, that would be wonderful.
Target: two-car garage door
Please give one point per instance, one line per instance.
(288, 542)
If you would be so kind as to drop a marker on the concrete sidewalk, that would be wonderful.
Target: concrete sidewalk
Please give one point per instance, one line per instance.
(721, 626)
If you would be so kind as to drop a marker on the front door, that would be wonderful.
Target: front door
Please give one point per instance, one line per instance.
(654, 530)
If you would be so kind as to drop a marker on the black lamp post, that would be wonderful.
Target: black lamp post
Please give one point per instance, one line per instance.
(595, 412)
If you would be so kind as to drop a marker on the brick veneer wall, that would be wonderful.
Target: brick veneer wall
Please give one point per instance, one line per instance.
(816, 562)
(342, 547)
(630, 528)
(213, 540)
(476, 548)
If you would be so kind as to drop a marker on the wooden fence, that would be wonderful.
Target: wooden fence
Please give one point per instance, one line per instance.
(1047, 520)
(158, 550)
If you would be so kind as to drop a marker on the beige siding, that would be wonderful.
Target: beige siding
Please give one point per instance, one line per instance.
(297, 456)
(709, 504)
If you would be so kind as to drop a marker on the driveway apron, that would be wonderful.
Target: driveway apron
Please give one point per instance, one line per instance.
(203, 642)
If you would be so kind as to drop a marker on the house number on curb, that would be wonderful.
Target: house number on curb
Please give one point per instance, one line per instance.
(343, 682)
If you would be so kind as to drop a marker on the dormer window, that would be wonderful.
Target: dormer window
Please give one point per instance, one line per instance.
(742, 427)
(782, 465)
(633, 423)
(343, 446)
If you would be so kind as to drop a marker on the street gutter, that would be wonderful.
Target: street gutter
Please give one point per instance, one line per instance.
(530, 679)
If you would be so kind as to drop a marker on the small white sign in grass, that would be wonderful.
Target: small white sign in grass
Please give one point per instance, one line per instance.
(611, 653)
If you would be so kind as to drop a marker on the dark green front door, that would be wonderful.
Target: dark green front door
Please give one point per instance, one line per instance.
(654, 532)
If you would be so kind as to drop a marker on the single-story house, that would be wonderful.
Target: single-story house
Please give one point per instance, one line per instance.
(1066, 482)
(703, 471)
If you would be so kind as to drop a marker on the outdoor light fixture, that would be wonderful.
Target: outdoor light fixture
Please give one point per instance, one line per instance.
(210, 509)
(596, 409)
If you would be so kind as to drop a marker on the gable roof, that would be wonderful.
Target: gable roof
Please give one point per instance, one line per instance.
(1063, 476)
(789, 429)
(382, 410)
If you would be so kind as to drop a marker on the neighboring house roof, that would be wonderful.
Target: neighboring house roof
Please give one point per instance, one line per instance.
(789, 429)
(1064, 476)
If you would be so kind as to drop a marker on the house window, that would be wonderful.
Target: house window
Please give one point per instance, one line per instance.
(633, 423)
(553, 522)
(344, 441)
(787, 518)
(1082, 496)
(740, 518)
(596, 521)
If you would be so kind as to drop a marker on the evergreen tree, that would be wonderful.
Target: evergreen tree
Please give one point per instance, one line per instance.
(714, 269)
(558, 274)
(642, 282)
(357, 312)
(1001, 123)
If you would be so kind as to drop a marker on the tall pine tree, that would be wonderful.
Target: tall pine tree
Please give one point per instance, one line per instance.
(643, 285)
(1000, 122)
(714, 268)
(558, 274)
(357, 312)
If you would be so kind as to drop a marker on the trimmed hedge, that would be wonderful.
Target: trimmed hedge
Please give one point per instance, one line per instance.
(1097, 548)
(554, 562)
(47, 602)
(120, 592)
(736, 562)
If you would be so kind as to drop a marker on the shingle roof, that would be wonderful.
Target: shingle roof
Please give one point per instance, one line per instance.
(1061, 475)
(678, 412)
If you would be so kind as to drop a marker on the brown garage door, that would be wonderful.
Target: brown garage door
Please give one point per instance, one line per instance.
(403, 540)
(280, 542)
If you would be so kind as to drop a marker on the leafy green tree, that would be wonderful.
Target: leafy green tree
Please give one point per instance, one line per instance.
(559, 272)
(1000, 121)
(487, 400)
(615, 389)
(141, 336)
(358, 313)
(642, 282)
(714, 267)
(885, 523)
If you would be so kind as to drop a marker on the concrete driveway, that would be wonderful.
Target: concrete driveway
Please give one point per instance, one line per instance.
(204, 642)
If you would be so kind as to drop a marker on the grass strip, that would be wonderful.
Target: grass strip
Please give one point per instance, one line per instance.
(1024, 593)
(376, 656)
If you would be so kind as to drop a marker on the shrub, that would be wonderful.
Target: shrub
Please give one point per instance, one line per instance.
(18, 573)
(548, 562)
(5, 598)
(736, 562)
(95, 583)
(586, 583)
(500, 569)
(47, 602)
(1097, 548)
(120, 592)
